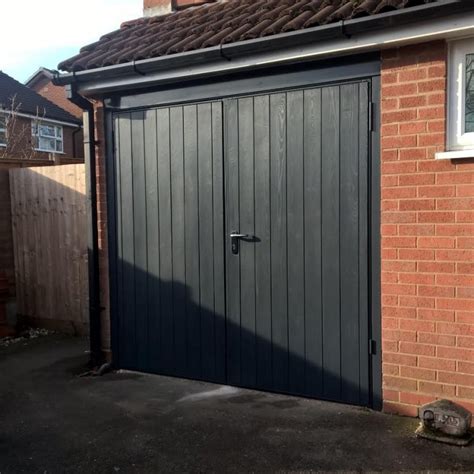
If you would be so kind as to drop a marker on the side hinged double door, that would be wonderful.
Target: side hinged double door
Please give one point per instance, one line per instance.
(242, 241)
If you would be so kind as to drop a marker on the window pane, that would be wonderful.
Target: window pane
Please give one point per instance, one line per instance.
(47, 130)
(2, 123)
(59, 145)
(47, 144)
(59, 132)
(469, 112)
(3, 138)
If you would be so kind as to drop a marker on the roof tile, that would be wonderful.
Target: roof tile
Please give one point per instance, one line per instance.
(213, 24)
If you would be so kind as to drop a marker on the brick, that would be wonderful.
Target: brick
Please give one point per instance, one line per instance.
(436, 363)
(465, 190)
(455, 255)
(415, 398)
(436, 242)
(390, 395)
(455, 329)
(389, 104)
(416, 325)
(435, 314)
(416, 348)
(417, 204)
(412, 102)
(399, 359)
(416, 278)
(414, 154)
(455, 280)
(444, 291)
(399, 166)
(399, 116)
(432, 113)
(397, 266)
(456, 304)
(456, 230)
(389, 323)
(389, 78)
(400, 383)
(436, 267)
(396, 312)
(466, 392)
(455, 178)
(465, 317)
(388, 230)
(417, 301)
(398, 289)
(438, 71)
(465, 268)
(467, 342)
(455, 204)
(434, 165)
(414, 75)
(388, 130)
(465, 367)
(455, 353)
(465, 216)
(431, 86)
(417, 373)
(399, 242)
(416, 254)
(416, 179)
(438, 98)
(398, 192)
(436, 126)
(417, 229)
(436, 217)
(436, 191)
(465, 242)
(436, 339)
(399, 90)
(398, 217)
(397, 335)
(437, 388)
(456, 378)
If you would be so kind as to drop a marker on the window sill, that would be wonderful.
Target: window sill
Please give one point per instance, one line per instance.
(50, 152)
(455, 155)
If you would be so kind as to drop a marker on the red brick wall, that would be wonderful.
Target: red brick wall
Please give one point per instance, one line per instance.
(427, 239)
(57, 95)
(19, 144)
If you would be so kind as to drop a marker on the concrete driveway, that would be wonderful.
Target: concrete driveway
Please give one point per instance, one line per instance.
(53, 421)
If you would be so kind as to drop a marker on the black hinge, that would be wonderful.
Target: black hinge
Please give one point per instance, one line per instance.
(371, 116)
(372, 347)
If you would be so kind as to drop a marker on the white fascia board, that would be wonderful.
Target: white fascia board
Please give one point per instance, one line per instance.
(41, 119)
(455, 26)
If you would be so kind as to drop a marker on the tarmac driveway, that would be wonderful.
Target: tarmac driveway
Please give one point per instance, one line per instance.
(53, 421)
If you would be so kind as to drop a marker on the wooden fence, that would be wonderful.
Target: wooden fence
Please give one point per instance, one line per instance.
(50, 246)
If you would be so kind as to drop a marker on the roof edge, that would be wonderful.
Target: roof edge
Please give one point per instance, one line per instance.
(341, 29)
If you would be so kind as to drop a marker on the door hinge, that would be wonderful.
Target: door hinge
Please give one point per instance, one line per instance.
(372, 347)
(371, 116)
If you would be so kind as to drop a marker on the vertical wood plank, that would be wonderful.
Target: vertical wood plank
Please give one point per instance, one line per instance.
(330, 243)
(178, 230)
(191, 167)
(278, 210)
(153, 342)
(233, 225)
(263, 303)
(165, 239)
(295, 244)
(312, 238)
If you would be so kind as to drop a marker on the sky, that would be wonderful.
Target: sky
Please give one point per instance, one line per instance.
(43, 33)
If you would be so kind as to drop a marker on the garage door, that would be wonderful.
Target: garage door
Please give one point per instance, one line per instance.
(242, 241)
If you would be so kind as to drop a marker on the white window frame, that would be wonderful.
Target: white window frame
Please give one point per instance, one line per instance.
(4, 130)
(58, 138)
(458, 140)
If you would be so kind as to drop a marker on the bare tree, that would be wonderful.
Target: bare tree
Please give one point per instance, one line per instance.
(20, 142)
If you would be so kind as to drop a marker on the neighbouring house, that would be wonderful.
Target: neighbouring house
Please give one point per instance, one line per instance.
(285, 195)
(32, 127)
(33, 132)
(42, 83)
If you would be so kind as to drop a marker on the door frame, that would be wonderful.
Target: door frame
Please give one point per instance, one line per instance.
(365, 67)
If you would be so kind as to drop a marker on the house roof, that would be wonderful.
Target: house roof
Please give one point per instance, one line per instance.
(40, 73)
(213, 24)
(15, 95)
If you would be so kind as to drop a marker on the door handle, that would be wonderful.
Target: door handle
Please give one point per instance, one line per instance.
(235, 237)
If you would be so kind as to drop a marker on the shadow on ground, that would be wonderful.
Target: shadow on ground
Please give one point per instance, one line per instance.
(53, 421)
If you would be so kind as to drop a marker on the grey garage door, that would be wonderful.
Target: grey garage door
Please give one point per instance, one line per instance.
(242, 241)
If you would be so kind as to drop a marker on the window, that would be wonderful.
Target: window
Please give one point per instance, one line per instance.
(3, 130)
(47, 137)
(461, 95)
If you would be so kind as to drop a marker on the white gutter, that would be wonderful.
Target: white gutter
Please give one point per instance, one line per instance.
(455, 26)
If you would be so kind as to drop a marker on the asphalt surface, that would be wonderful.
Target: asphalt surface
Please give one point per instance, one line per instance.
(52, 421)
